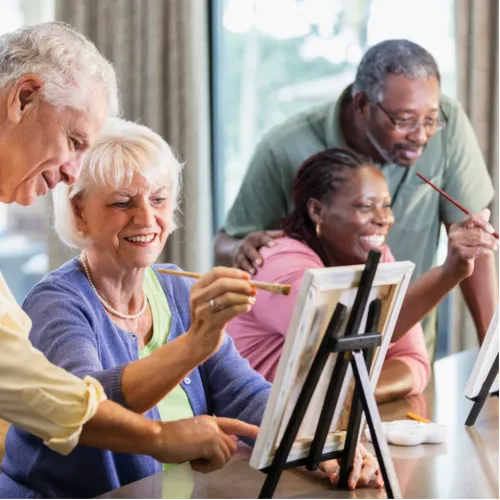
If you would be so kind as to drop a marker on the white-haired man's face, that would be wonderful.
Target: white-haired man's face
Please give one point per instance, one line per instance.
(43, 145)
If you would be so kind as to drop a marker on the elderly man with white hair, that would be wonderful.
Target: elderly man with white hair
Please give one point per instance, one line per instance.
(56, 91)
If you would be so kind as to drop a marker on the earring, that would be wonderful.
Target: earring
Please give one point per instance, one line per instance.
(81, 234)
(318, 230)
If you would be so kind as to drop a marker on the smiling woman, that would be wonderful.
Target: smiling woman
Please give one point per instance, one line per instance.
(342, 211)
(146, 174)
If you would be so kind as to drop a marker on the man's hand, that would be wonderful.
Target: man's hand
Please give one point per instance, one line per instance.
(206, 442)
(247, 256)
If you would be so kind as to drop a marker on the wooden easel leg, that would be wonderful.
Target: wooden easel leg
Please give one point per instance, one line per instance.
(355, 418)
(374, 423)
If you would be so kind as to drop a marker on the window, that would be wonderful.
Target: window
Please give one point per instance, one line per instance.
(23, 230)
(275, 58)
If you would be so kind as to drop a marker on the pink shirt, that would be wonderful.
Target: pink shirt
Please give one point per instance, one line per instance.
(260, 334)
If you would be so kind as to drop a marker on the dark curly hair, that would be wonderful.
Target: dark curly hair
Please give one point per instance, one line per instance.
(318, 178)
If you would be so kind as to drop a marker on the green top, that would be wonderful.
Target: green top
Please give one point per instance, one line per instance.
(175, 405)
(452, 161)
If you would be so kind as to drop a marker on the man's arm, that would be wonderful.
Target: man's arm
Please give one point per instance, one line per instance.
(115, 428)
(480, 291)
(243, 253)
(466, 179)
(65, 410)
(204, 441)
(225, 247)
(260, 205)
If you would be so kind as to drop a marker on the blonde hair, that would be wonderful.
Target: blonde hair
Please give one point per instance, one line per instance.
(122, 149)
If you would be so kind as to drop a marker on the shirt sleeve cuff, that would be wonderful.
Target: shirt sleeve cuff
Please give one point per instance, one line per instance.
(94, 395)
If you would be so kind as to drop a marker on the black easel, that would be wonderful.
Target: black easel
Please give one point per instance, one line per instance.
(358, 351)
(483, 394)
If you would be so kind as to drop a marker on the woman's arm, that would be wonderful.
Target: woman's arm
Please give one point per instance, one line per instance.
(395, 381)
(147, 381)
(422, 296)
(467, 240)
(65, 329)
(406, 369)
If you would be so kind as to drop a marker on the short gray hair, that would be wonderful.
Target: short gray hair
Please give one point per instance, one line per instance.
(69, 64)
(398, 57)
(122, 149)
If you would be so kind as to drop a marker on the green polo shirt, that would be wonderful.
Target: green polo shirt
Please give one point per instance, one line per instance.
(452, 160)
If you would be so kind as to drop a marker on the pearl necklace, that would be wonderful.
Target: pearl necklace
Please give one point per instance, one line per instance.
(106, 304)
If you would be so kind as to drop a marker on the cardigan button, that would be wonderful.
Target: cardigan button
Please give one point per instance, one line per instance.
(187, 380)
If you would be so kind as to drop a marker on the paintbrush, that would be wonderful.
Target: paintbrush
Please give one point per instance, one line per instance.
(449, 198)
(269, 287)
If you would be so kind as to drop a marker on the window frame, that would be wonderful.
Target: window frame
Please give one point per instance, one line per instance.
(215, 9)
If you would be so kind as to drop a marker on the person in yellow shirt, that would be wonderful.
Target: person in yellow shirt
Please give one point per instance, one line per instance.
(56, 91)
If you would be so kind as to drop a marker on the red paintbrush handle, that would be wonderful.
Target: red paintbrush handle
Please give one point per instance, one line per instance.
(449, 198)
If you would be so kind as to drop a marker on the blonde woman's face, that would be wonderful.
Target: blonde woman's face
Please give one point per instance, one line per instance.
(128, 226)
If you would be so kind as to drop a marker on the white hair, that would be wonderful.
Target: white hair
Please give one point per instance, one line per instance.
(122, 149)
(71, 67)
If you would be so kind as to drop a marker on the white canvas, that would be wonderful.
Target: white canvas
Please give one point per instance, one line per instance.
(320, 291)
(484, 361)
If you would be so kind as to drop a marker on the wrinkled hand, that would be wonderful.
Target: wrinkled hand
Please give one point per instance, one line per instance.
(247, 256)
(468, 240)
(216, 298)
(222, 443)
(365, 470)
(206, 442)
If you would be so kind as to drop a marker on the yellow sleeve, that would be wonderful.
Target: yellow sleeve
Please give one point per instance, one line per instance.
(36, 395)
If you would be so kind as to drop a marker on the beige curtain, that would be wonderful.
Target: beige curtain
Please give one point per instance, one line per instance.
(160, 52)
(477, 64)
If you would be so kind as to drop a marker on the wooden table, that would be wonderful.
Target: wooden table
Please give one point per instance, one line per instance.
(466, 466)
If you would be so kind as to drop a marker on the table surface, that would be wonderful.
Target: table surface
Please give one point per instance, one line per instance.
(466, 466)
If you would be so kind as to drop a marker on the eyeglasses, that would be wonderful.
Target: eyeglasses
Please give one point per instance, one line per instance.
(409, 125)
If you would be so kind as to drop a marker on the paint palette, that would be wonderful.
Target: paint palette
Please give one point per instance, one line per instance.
(412, 433)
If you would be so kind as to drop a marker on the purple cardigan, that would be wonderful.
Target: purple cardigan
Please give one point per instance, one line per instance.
(72, 329)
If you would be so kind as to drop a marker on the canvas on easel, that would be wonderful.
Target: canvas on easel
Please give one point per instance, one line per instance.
(484, 377)
(484, 361)
(320, 293)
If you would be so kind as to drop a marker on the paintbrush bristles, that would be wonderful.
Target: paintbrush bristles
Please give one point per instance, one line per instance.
(269, 287)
